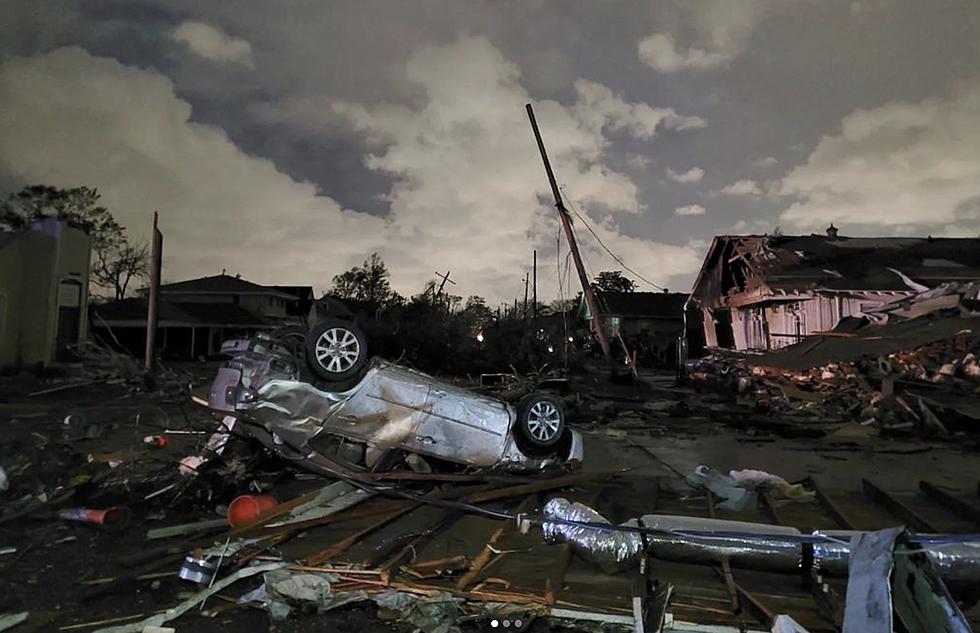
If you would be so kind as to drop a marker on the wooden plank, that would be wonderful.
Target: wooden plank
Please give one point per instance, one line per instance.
(829, 605)
(832, 508)
(755, 606)
(480, 561)
(329, 553)
(542, 486)
(957, 506)
(726, 566)
(769, 505)
(896, 507)
(390, 567)
(483, 559)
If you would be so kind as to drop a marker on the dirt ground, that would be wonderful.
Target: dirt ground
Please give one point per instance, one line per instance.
(54, 559)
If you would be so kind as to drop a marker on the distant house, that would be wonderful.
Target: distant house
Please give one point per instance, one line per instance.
(300, 306)
(767, 291)
(44, 286)
(196, 315)
(648, 322)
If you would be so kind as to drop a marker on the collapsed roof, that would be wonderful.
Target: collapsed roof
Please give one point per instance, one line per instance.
(765, 266)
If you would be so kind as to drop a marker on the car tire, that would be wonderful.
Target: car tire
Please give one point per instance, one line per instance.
(540, 421)
(336, 350)
(292, 337)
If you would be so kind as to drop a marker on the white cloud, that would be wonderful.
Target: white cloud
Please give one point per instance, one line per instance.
(208, 42)
(899, 164)
(470, 193)
(744, 187)
(599, 108)
(691, 209)
(659, 51)
(469, 179)
(694, 174)
(766, 162)
(719, 32)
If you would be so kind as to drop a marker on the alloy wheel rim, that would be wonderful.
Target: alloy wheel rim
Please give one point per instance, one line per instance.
(543, 421)
(337, 350)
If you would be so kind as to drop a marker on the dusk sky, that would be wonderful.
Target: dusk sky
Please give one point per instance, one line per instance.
(288, 140)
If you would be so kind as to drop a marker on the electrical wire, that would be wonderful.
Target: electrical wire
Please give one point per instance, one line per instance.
(470, 508)
(811, 539)
(606, 248)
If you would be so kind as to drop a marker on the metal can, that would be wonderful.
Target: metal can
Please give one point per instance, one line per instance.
(197, 570)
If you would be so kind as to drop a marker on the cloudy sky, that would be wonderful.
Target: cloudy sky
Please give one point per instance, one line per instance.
(287, 140)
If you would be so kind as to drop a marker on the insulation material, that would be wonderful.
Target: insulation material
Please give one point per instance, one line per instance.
(612, 551)
(746, 545)
(684, 539)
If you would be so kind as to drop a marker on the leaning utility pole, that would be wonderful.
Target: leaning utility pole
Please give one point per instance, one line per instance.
(153, 304)
(445, 278)
(566, 223)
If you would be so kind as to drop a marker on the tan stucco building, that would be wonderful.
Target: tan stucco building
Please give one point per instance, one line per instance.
(44, 283)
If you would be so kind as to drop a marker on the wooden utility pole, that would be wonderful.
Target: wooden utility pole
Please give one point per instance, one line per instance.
(527, 277)
(566, 223)
(153, 304)
(534, 285)
(445, 278)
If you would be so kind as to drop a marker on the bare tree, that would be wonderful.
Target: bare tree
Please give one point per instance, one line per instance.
(115, 267)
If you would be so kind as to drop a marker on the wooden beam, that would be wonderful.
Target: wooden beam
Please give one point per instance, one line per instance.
(769, 505)
(726, 566)
(480, 561)
(541, 486)
(832, 508)
(959, 507)
(759, 610)
(896, 507)
(329, 553)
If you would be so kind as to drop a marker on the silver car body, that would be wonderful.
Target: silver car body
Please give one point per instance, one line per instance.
(391, 407)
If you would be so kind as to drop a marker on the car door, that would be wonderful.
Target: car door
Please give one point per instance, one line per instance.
(383, 409)
(461, 426)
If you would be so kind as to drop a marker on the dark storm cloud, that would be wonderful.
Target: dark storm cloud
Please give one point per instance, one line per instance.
(331, 94)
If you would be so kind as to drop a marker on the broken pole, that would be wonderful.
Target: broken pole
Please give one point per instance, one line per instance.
(153, 303)
(566, 223)
(445, 278)
(534, 285)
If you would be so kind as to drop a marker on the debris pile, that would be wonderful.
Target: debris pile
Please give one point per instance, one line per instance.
(909, 367)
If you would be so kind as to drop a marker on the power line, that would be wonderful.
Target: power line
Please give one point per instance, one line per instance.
(611, 254)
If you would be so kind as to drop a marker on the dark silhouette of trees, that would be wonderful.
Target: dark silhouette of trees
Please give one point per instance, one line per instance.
(613, 281)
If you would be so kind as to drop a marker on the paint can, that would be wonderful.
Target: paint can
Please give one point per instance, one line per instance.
(114, 518)
(197, 570)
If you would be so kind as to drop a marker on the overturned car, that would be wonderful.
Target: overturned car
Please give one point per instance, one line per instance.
(387, 412)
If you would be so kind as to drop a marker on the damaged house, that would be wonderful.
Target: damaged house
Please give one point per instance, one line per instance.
(760, 292)
(196, 315)
(649, 322)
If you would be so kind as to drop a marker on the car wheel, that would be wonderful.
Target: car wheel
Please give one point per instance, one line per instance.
(292, 337)
(540, 420)
(336, 350)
